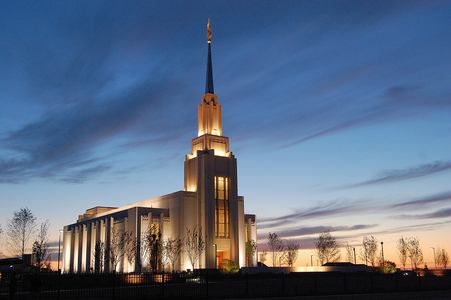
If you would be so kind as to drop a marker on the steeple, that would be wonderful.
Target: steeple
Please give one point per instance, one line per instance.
(209, 89)
(210, 116)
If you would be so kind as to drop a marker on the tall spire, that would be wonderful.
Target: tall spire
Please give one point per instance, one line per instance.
(209, 89)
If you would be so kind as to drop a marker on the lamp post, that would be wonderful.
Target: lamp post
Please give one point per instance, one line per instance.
(311, 260)
(383, 259)
(59, 249)
(216, 254)
(435, 261)
(355, 258)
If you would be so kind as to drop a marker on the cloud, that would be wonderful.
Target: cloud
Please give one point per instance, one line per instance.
(437, 198)
(309, 242)
(296, 232)
(336, 207)
(395, 175)
(62, 144)
(441, 213)
(57, 58)
(411, 230)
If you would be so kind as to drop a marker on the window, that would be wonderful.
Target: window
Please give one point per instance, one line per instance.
(221, 206)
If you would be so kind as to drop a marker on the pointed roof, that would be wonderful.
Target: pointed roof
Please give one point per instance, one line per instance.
(209, 89)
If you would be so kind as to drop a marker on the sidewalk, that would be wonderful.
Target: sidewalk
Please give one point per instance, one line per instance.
(434, 295)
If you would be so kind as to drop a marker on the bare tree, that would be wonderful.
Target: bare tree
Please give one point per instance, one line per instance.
(116, 248)
(40, 251)
(350, 253)
(369, 251)
(131, 247)
(442, 258)
(327, 248)
(276, 247)
(194, 244)
(172, 249)
(152, 246)
(291, 251)
(99, 256)
(402, 247)
(20, 230)
(263, 256)
(250, 249)
(415, 252)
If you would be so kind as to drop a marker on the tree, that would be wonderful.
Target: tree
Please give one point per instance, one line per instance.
(327, 248)
(20, 230)
(291, 251)
(40, 251)
(131, 247)
(369, 252)
(415, 252)
(350, 253)
(229, 267)
(194, 244)
(116, 248)
(442, 258)
(152, 246)
(276, 247)
(402, 247)
(99, 256)
(387, 266)
(250, 249)
(172, 249)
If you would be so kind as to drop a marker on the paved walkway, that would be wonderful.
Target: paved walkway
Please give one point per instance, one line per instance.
(436, 295)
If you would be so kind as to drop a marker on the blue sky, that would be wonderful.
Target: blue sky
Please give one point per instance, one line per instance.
(338, 111)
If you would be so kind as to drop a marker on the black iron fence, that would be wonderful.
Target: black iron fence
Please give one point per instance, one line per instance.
(167, 286)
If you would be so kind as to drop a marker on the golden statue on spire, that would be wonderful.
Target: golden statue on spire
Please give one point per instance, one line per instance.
(209, 31)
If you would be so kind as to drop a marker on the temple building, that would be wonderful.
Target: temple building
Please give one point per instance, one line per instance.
(209, 201)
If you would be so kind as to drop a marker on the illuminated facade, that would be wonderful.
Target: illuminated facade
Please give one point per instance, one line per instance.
(210, 199)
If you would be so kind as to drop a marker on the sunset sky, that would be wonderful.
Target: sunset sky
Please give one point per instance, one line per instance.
(339, 112)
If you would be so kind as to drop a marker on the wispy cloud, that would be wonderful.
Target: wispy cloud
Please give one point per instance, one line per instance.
(395, 175)
(441, 213)
(108, 65)
(63, 143)
(303, 235)
(436, 198)
(327, 209)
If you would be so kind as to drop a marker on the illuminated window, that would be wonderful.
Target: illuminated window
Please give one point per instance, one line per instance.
(246, 234)
(221, 206)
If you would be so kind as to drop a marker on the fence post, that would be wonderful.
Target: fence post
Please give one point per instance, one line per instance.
(206, 282)
(247, 284)
(372, 283)
(344, 283)
(114, 283)
(419, 281)
(59, 285)
(315, 291)
(283, 284)
(162, 285)
(397, 284)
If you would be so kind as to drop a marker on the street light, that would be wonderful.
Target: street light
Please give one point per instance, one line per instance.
(383, 260)
(216, 254)
(311, 260)
(59, 248)
(435, 261)
(355, 258)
